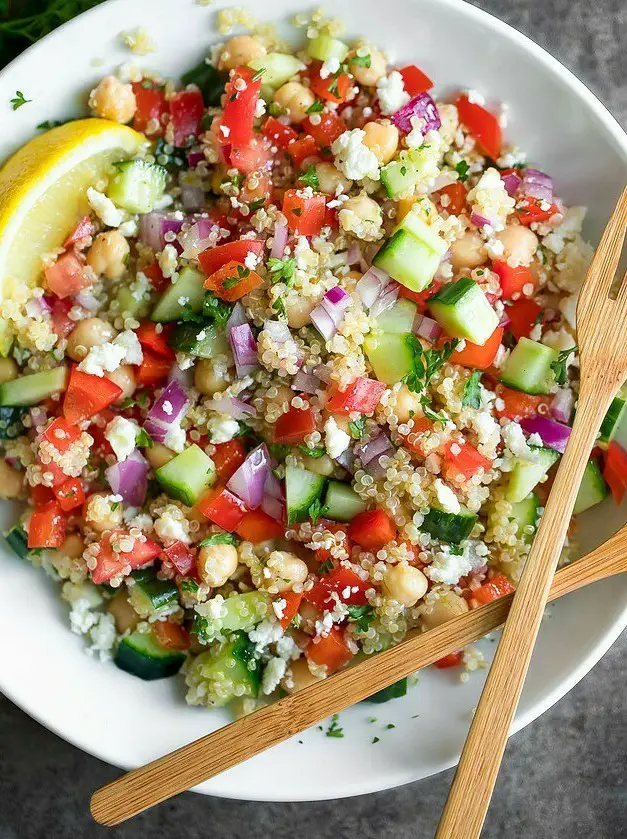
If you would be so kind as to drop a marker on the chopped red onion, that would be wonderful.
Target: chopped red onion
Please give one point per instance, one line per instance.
(511, 182)
(192, 197)
(232, 407)
(273, 507)
(249, 480)
(37, 307)
(347, 459)
(385, 300)
(426, 328)
(371, 285)
(323, 322)
(538, 177)
(329, 313)
(194, 158)
(421, 106)
(536, 184)
(167, 411)
(479, 221)
(322, 372)
(244, 348)
(280, 239)
(373, 449)
(150, 230)
(185, 378)
(554, 434)
(129, 478)
(305, 382)
(273, 486)
(505, 320)
(353, 255)
(237, 317)
(561, 406)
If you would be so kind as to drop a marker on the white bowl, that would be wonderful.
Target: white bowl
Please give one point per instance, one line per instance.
(127, 722)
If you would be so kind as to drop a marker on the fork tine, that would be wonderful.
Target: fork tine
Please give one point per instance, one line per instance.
(603, 269)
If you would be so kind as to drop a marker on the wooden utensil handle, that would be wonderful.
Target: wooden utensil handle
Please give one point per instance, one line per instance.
(476, 774)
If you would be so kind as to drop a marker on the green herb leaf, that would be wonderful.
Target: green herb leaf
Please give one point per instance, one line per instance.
(426, 363)
(429, 412)
(48, 124)
(559, 366)
(281, 270)
(242, 273)
(472, 390)
(256, 205)
(219, 539)
(279, 307)
(310, 178)
(215, 309)
(189, 585)
(376, 739)
(357, 428)
(317, 510)
(462, 170)
(319, 452)
(325, 567)
(174, 159)
(256, 76)
(143, 440)
(334, 730)
(19, 100)
(279, 450)
(316, 107)
(200, 627)
(361, 61)
(362, 616)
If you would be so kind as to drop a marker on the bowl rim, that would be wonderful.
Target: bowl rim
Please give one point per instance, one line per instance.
(539, 707)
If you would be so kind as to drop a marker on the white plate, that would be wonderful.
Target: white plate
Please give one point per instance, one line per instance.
(127, 722)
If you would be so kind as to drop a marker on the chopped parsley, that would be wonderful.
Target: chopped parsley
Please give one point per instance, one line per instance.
(256, 205)
(429, 412)
(472, 390)
(297, 211)
(317, 510)
(310, 178)
(18, 100)
(200, 627)
(462, 170)
(215, 309)
(325, 567)
(362, 616)
(375, 739)
(219, 539)
(279, 307)
(279, 450)
(357, 428)
(281, 270)
(47, 124)
(559, 366)
(169, 156)
(189, 585)
(426, 363)
(335, 730)
(390, 725)
(242, 273)
(143, 440)
(258, 74)
(316, 107)
(361, 60)
(315, 453)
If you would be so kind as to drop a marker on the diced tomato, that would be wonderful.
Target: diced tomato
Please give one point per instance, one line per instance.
(233, 281)
(156, 341)
(70, 494)
(172, 636)
(343, 582)
(257, 526)
(330, 651)
(532, 211)
(153, 369)
(110, 562)
(323, 554)
(151, 107)
(491, 590)
(61, 434)
(414, 440)
(292, 605)
(512, 280)
(216, 258)
(372, 529)
(479, 357)
(615, 470)
(333, 88)
(455, 200)
(186, 110)
(61, 322)
(483, 126)
(293, 426)
(361, 395)
(47, 526)
(86, 395)
(155, 275)
(299, 150)
(67, 275)
(415, 80)
(83, 229)
(239, 108)
(327, 130)
(278, 132)
(182, 557)
(228, 457)
(58, 475)
(331, 218)
(41, 495)
(523, 315)
(305, 216)
(463, 459)
(251, 157)
(519, 405)
(450, 660)
(222, 508)
(421, 298)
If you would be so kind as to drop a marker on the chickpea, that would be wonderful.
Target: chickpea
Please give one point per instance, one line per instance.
(114, 100)
(520, 244)
(285, 569)
(340, 419)
(88, 333)
(211, 375)
(108, 255)
(123, 377)
(381, 137)
(73, 546)
(405, 584)
(369, 76)
(445, 608)
(294, 98)
(239, 51)
(299, 309)
(407, 404)
(468, 252)
(216, 563)
(330, 178)
(123, 613)
(11, 481)
(319, 465)
(158, 455)
(8, 370)
(101, 514)
(298, 676)
(361, 216)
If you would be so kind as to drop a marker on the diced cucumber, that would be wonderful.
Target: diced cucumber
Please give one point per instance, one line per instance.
(202, 341)
(187, 475)
(137, 185)
(324, 47)
(302, 488)
(614, 417)
(33, 389)
(399, 318)
(408, 260)
(463, 311)
(278, 67)
(399, 179)
(525, 514)
(189, 288)
(527, 474)
(17, 540)
(6, 338)
(150, 596)
(528, 367)
(131, 303)
(224, 672)
(11, 422)
(414, 224)
(341, 502)
(394, 691)
(210, 81)
(390, 355)
(593, 488)
(238, 612)
(449, 527)
(140, 654)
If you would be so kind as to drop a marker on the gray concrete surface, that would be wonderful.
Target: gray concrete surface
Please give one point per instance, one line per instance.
(565, 776)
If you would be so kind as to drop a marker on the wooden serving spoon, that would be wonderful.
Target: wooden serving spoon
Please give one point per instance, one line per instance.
(204, 758)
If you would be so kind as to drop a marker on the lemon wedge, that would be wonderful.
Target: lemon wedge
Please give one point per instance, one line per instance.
(43, 191)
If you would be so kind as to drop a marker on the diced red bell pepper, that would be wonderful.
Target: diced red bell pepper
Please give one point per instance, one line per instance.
(83, 229)
(305, 216)
(615, 470)
(330, 651)
(61, 322)
(233, 281)
(523, 315)
(299, 150)
(491, 590)
(361, 395)
(61, 434)
(532, 211)
(155, 275)
(450, 660)
(455, 200)
(70, 494)
(171, 635)
(86, 395)
(216, 258)
(421, 298)
(186, 111)
(156, 341)
(479, 357)
(151, 107)
(222, 508)
(47, 526)
(41, 495)
(327, 130)
(153, 369)
(293, 426)
(518, 405)
(257, 526)
(463, 459)
(67, 275)
(227, 458)
(58, 475)
(293, 600)
(372, 529)
(278, 132)
(252, 157)
(333, 88)
(415, 80)
(239, 108)
(483, 126)
(323, 554)
(110, 562)
(182, 557)
(343, 582)
(512, 280)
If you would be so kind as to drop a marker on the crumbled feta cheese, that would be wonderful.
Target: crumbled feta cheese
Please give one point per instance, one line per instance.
(287, 648)
(391, 92)
(566, 231)
(514, 439)
(336, 440)
(104, 208)
(168, 259)
(172, 526)
(494, 247)
(446, 497)
(278, 607)
(416, 136)
(488, 429)
(329, 67)
(175, 438)
(222, 429)
(353, 158)
(449, 568)
(272, 674)
(475, 98)
(265, 633)
(489, 199)
(129, 342)
(102, 635)
(251, 260)
(121, 434)
(568, 307)
(260, 108)
(103, 358)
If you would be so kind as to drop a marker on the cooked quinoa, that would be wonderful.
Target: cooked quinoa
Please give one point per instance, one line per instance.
(299, 381)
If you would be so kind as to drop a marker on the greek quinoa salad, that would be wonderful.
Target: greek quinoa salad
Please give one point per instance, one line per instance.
(298, 380)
